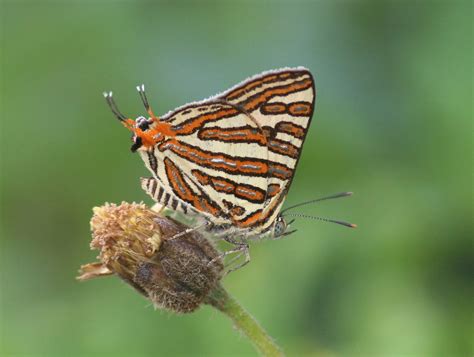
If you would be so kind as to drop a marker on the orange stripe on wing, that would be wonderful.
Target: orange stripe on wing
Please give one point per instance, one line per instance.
(260, 218)
(230, 164)
(191, 125)
(296, 109)
(283, 148)
(279, 171)
(300, 109)
(250, 193)
(269, 78)
(251, 220)
(255, 101)
(273, 108)
(248, 87)
(224, 185)
(204, 204)
(273, 189)
(202, 178)
(178, 184)
(242, 134)
(290, 129)
(185, 193)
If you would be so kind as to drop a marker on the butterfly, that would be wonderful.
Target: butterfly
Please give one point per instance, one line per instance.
(232, 157)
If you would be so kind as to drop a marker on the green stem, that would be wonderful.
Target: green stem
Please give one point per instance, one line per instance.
(221, 300)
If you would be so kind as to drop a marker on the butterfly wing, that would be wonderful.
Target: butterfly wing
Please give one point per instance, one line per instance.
(232, 157)
(282, 103)
(215, 160)
(166, 197)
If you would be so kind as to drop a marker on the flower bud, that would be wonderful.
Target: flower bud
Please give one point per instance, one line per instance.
(137, 244)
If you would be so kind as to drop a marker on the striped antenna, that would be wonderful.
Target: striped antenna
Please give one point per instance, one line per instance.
(337, 195)
(346, 224)
(143, 97)
(141, 92)
(113, 106)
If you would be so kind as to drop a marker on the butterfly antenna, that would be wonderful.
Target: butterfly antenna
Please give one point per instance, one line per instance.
(337, 195)
(113, 106)
(342, 223)
(141, 92)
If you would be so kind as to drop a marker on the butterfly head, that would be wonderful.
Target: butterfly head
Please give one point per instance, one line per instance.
(147, 133)
(140, 127)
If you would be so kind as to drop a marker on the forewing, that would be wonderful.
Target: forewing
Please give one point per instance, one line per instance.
(216, 161)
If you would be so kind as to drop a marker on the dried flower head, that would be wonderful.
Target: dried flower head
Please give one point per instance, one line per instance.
(137, 244)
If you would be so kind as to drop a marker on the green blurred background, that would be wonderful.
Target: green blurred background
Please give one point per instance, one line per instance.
(393, 124)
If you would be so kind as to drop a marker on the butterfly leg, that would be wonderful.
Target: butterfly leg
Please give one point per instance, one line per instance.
(240, 247)
(187, 231)
(244, 249)
(141, 92)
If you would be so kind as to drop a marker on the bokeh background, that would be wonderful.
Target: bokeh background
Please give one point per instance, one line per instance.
(393, 124)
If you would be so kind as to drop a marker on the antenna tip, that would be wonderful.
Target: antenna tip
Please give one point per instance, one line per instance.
(352, 225)
(349, 193)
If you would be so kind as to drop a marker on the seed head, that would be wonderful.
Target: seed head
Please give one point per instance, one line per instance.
(136, 244)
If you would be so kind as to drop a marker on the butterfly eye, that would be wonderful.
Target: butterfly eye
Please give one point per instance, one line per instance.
(280, 227)
(142, 123)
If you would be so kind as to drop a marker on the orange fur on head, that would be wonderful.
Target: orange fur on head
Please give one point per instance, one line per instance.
(156, 133)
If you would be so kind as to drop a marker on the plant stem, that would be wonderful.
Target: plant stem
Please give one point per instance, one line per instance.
(243, 321)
